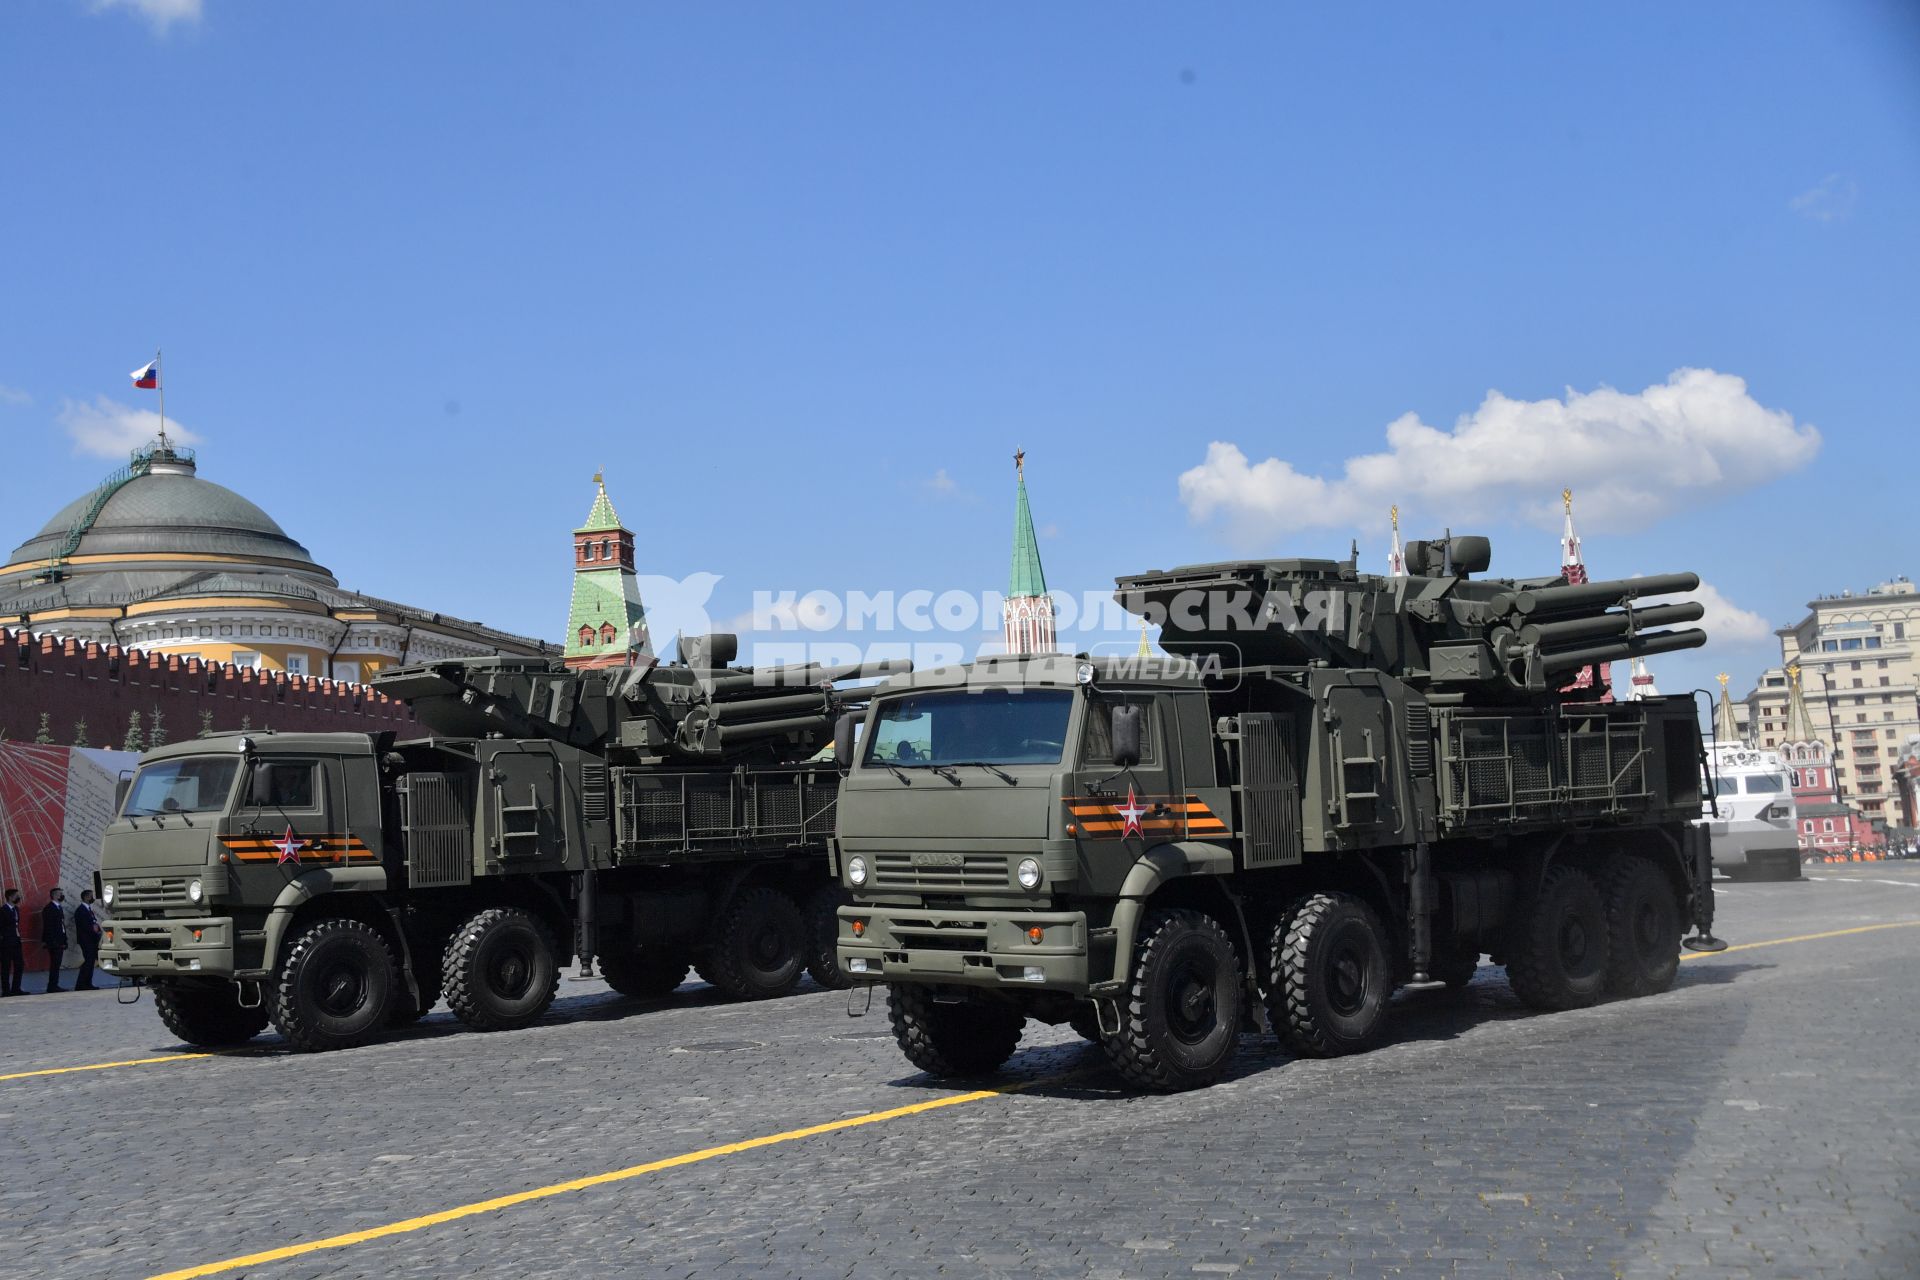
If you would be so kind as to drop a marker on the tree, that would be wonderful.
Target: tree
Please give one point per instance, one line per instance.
(80, 733)
(156, 729)
(246, 723)
(45, 736)
(136, 740)
(206, 724)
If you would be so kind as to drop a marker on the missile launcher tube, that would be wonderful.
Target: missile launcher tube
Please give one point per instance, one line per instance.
(1547, 634)
(1591, 595)
(1621, 650)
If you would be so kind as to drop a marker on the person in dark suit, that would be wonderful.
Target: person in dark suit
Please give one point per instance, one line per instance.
(86, 932)
(53, 936)
(13, 957)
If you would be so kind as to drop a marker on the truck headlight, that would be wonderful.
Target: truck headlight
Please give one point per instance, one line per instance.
(856, 871)
(195, 892)
(1029, 873)
(106, 894)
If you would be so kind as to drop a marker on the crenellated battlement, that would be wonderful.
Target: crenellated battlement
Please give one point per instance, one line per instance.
(71, 680)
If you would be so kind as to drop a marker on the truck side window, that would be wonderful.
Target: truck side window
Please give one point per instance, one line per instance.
(290, 786)
(1098, 741)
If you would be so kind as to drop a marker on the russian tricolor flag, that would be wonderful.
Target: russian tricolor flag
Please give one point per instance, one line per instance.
(148, 375)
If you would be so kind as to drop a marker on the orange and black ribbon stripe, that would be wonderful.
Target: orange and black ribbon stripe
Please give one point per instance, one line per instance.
(321, 848)
(1164, 816)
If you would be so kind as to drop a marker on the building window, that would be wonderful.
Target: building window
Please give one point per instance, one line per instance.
(606, 549)
(296, 664)
(586, 637)
(347, 672)
(1826, 825)
(245, 658)
(606, 633)
(1809, 826)
(1899, 631)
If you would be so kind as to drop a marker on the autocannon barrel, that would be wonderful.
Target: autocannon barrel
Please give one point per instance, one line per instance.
(1590, 596)
(734, 684)
(1568, 630)
(1622, 649)
(743, 709)
(731, 734)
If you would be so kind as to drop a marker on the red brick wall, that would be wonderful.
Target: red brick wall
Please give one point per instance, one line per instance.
(70, 681)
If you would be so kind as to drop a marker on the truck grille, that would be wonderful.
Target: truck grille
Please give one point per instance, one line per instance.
(986, 871)
(149, 895)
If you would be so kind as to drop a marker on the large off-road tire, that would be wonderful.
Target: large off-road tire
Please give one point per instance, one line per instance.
(1180, 1018)
(208, 1016)
(951, 1039)
(759, 947)
(500, 971)
(1557, 943)
(1643, 928)
(334, 987)
(647, 973)
(823, 936)
(1329, 977)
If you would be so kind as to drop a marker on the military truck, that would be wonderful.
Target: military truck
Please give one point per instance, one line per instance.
(333, 884)
(1332, 786)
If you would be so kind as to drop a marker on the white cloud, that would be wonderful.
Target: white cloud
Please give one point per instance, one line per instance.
(160, 13)
(108, 429)
(1633, 459)
(941, 482)
(1726, 622)
(13, 395)
(1829, 200)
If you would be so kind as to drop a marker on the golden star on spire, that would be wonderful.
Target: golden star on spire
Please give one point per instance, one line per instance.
(1723, 677)
(1020, 461)
(1566, 496)
(599, 477)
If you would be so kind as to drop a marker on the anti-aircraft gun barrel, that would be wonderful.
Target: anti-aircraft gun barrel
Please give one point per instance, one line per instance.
(1590, 596)
(1568, 630)
(736, 683)
(731, 734)
(1618, 651)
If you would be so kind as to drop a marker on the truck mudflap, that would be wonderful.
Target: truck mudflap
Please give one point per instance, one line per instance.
(1696, 847)
(1013, 950)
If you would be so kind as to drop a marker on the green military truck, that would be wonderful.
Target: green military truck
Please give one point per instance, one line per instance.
(333, 884)
(1338, 784)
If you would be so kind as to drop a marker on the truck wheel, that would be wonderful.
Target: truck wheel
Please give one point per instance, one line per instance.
(500, 973)
(1643, 928)
(403, 1010)
(823, 936)
(646, 974)
(1557, 952)
(758, 947)
(209, 1016)
(1180, 1022)
(334, 987)
(951, 1039)
(1330, 979)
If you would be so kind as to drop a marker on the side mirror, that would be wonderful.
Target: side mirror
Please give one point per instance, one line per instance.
(843, 741)
(260, 785)
(120, 789)
(1126, 734)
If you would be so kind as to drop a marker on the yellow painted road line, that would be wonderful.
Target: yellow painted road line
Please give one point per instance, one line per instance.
(596, 1180)
(1805, 937)
(102, 1066)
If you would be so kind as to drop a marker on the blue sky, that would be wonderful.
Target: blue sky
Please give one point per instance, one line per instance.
(801, 278)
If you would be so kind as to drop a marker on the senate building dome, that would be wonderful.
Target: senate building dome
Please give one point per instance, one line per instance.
(158, 558)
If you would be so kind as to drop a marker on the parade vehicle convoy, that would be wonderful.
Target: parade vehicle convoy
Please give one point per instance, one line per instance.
(1336, 785)
(1752, 821)
(333, 884)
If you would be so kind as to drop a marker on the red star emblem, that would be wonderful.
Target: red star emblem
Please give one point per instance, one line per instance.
(289, 848)
(1131, 812)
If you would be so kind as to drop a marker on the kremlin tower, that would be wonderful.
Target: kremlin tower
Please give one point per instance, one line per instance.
(1573, 567)
(607, 621)
(1396, 557)
(1028, 611)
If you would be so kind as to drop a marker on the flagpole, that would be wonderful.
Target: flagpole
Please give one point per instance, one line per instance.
(160, 385)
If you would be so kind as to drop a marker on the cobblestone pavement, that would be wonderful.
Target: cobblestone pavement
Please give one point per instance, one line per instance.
(1757, 1120)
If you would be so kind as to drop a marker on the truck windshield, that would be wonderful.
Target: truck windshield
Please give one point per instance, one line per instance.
(195, 784)
(959, 726)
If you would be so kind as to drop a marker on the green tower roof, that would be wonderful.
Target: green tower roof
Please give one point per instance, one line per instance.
(603, 516)
(1027, 578)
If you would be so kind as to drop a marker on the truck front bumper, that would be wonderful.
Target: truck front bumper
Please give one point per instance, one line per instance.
(169, 948)
(966, 947)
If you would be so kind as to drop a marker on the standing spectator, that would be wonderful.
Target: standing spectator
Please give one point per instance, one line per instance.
(13, 958)
(53, 936)
(86, 932)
